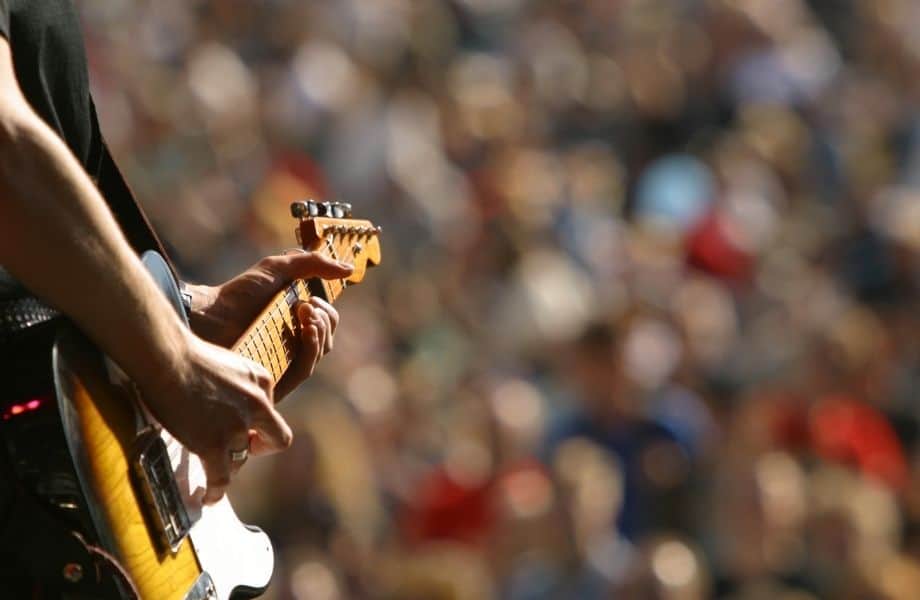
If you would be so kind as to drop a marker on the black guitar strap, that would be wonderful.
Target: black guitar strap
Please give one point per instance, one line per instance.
(127, 211)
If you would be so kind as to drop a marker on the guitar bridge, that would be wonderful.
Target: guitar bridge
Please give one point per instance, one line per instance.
(156, 483)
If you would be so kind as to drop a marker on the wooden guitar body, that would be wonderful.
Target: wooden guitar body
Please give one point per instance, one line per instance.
(81, 440)
(104, 429)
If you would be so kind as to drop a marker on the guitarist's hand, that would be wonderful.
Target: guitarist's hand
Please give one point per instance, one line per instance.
(216, 402)
(221, 314)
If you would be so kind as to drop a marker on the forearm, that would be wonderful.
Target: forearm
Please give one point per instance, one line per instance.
(59, 239)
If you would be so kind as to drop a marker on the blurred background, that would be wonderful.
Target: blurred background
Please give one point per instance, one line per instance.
(647, 321)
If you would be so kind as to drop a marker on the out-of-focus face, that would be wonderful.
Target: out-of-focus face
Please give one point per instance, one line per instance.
(597, 378)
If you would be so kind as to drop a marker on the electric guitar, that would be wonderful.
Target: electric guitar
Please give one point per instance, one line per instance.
(85, 444)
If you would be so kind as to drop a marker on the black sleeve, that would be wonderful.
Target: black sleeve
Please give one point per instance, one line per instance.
(5, 18)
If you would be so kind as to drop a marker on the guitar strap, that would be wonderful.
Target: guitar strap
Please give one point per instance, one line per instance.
(126, 209)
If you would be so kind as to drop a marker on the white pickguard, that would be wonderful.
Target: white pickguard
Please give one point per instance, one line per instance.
(232, 553)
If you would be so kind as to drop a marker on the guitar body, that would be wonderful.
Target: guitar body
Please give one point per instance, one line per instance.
(81, 440)
(94, 429)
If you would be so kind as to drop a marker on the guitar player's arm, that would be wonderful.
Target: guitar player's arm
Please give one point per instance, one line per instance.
(58, 237)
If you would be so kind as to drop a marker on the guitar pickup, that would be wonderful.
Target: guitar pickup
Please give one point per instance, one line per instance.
(156, 484)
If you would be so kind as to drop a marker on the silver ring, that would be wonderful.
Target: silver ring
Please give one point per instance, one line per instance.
(239, 455)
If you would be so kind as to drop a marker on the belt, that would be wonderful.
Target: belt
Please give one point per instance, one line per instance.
(20, 314)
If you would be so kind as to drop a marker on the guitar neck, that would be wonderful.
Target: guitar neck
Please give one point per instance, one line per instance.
(273, 339)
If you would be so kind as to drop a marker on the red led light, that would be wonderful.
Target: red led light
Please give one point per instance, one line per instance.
(24, 407)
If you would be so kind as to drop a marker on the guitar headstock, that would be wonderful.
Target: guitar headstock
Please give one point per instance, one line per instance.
(328, 228)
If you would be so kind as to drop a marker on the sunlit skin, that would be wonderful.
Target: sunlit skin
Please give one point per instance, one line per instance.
(58, 237)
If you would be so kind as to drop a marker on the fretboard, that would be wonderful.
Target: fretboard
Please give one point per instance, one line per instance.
(273, 339)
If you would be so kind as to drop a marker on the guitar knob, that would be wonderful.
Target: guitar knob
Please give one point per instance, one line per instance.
(299, 210)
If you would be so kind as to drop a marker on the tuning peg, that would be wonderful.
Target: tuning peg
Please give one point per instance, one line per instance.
(299, 210)
(304, 209)
(343, 210)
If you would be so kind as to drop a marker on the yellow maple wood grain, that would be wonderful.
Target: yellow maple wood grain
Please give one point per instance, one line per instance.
(107, 425)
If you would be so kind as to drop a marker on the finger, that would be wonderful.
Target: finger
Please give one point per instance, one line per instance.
(311, 347)
(328, 309)
(272, 431)
(324, 323)
(259, 375)
(217, 467)
(257, 447)
(306, 265)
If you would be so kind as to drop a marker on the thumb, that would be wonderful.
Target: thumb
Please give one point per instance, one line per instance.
(305, 265)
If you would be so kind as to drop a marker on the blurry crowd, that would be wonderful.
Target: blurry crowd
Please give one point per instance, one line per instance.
(646, 325)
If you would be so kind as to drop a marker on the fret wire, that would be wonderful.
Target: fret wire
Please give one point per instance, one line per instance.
(283, 304)
(273, 336)
(286, 332)
(290, 334)
(281, 311)
(259, 357)
(272, 365)
(263, 355)
(270, 350)
(289, 350)
(279, 335)
(264, 360)
(278, 327)
(274, 321)
(334, 255)
(253, 353)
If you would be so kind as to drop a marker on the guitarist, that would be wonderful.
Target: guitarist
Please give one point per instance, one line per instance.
(70, 235)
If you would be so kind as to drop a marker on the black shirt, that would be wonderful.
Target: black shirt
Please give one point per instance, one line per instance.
(50, 64)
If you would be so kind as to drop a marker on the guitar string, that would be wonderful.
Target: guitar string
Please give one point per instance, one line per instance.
(252, 346)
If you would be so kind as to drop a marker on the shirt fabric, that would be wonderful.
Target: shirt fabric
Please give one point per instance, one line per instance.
(49, 60)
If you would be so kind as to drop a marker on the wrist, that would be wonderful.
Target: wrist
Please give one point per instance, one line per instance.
(197, 298)
(185, 296)
(201, 302)
(168, 362)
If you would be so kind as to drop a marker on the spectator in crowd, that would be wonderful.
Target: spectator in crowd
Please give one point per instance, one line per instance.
(731, 188)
